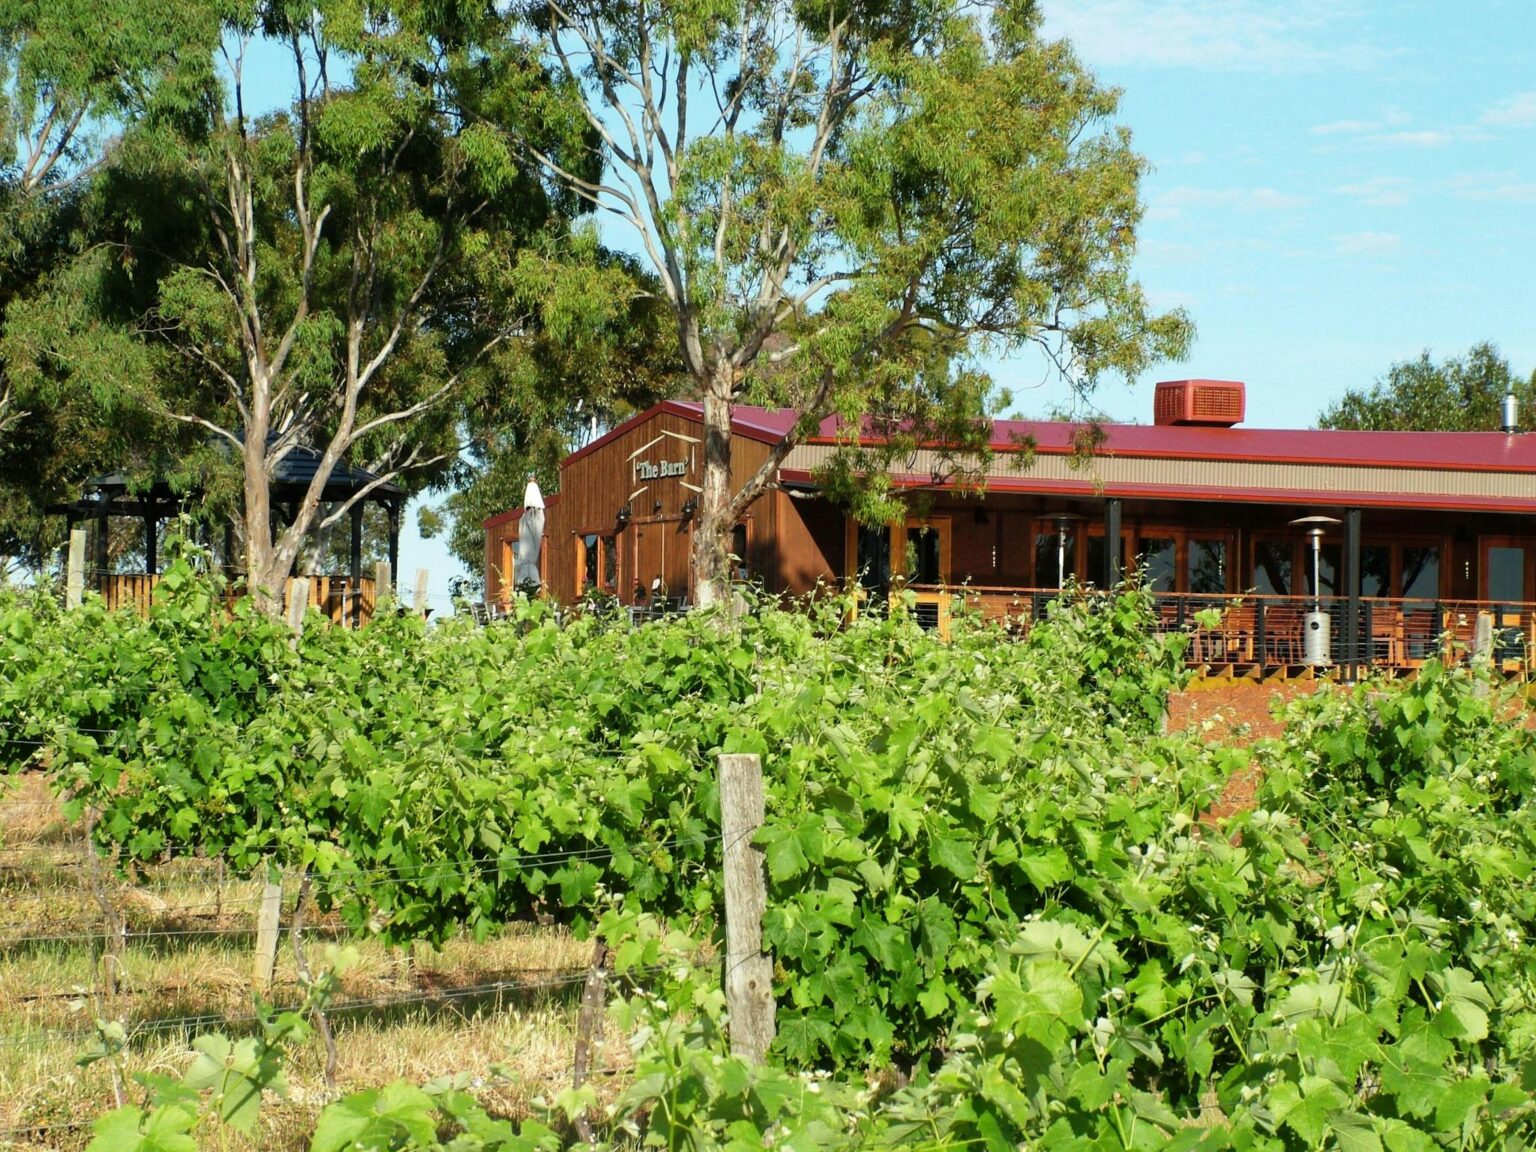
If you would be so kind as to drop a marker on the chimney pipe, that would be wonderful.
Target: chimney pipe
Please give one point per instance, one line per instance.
(1510, 411)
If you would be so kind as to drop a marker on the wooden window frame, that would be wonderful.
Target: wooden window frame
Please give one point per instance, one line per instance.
(579, 538)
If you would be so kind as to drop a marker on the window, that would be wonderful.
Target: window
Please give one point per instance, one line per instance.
(1272, 567)
(1329, 579)
(1158, 561)
(1421, 573)
(589, 560)
(1096, 557)
(1205, 566)
(923, 555)
(1376, 570)
(739, 551)
(874, 558)
(1506, 573)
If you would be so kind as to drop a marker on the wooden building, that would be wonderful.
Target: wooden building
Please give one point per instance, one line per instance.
(622, 520)
(1416, 534)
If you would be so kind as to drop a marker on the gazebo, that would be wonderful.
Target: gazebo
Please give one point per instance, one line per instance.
(107, 497)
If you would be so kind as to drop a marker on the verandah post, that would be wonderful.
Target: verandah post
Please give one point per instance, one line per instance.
(748, 970)
(1352, 594)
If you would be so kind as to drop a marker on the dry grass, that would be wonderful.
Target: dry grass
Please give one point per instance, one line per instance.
(421, 1016)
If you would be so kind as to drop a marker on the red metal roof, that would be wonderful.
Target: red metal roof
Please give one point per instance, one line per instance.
(1480, 452)
(1428, 451)
(515, 513)
(1458, 451)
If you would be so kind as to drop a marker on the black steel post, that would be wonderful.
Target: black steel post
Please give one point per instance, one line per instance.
(101, 539)
(394, 543)
(356, 557)
(151, 560)
(1112, 573)
(355, 578)
(1352, 592)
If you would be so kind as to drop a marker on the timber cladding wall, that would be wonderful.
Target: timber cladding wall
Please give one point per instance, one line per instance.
(653, 466)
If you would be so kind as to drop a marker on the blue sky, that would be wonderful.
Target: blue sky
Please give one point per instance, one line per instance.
(1336, 185)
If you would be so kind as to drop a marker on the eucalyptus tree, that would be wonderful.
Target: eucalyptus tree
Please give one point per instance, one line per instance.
(364, 242)
(323, 243)
(1458, 394)
(852, 205)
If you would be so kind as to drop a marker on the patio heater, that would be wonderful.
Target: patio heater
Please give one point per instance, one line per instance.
(1316, 624)
(1063, 520)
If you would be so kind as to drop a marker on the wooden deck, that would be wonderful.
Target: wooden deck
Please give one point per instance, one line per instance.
(1263, 636)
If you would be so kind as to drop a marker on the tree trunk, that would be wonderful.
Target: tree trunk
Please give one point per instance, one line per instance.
(712, 525)
(263, 581)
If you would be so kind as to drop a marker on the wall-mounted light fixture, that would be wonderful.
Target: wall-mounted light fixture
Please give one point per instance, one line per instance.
(690, 506)
(622, 516)
(656, 511)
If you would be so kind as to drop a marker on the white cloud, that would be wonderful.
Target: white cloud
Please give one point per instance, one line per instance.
(1367, 244)
(1170, 205)
(1346, 127)
(1517, 111)
(1210, 35)
(1423, 138)
(1501, 187)
(1390, 117)
(1380, 191)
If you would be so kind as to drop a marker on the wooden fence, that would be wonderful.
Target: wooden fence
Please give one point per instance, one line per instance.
(341, 599)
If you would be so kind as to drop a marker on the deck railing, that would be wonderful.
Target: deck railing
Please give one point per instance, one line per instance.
(1260, 632)
(340, 598)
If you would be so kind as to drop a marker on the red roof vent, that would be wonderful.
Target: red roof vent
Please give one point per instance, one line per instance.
(1215, 403)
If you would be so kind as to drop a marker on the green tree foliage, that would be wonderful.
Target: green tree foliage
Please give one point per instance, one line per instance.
(1460, 394)
(584, 365)
(846, 205)
(70, 74)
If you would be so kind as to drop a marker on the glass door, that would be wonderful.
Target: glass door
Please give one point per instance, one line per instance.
(1506, 570)
(925, 551)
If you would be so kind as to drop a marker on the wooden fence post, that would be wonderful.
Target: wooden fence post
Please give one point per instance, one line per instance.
(1482, 650)
(268, 929)
(269, 917)
(298, 604)
(74, 588)
(748, 971)
(383, 577)
(589, 1028)
(420, 601)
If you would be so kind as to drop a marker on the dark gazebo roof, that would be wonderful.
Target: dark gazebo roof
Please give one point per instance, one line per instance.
(117, 495)
(290, 481)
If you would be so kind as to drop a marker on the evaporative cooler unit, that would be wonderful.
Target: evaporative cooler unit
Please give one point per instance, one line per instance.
(1212, 403)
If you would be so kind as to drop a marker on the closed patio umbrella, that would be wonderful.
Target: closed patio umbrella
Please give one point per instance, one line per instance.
(530, 535)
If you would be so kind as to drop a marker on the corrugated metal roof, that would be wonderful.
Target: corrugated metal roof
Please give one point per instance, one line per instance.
(1458, 451)
(516, 513)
